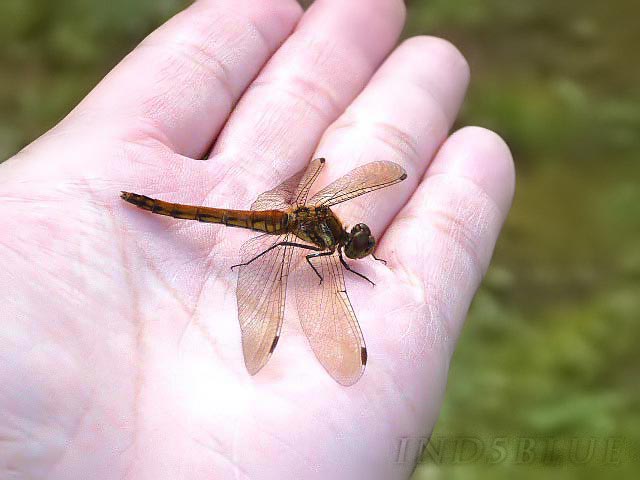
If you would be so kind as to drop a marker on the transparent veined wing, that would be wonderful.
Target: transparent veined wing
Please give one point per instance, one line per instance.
(364, 179)
(292, 192)
(261, 294)
(328, 319)
(309, 177)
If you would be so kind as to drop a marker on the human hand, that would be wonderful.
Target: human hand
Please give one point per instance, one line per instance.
(120, 351)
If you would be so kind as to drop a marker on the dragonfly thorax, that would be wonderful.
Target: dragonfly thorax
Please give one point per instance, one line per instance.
(318, 225)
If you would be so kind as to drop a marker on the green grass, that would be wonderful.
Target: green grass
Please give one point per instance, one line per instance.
(550, 348)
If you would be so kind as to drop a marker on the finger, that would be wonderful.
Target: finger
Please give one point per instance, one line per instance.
(307, 85)
(443, 239)
(403, 115)
(179, 85)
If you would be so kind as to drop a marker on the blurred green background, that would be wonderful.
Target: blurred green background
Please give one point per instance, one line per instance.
(550, 351)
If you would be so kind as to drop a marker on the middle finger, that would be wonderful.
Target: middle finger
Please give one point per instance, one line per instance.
(306, 86)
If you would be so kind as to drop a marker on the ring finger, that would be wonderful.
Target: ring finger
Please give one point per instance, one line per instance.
(403, 115)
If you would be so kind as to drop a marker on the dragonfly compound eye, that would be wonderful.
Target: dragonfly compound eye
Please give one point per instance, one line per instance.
(361, 243)
(361, 228)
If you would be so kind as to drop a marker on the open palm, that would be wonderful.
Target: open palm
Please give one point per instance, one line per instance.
(120, 352)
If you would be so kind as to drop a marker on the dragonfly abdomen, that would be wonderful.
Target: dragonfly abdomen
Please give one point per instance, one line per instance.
(268, 221)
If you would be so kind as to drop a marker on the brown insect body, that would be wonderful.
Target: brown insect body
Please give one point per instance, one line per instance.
(317, 225)
(268, 221)
(294, 223)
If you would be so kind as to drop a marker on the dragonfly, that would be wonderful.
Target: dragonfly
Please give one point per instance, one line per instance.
(307, 230)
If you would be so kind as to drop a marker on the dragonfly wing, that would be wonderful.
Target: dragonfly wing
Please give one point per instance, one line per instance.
(364, 179)
(261, 294)
(328, 319)
(293, 191)
(310, 175)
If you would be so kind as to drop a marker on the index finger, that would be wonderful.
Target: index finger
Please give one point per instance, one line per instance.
(180, 84)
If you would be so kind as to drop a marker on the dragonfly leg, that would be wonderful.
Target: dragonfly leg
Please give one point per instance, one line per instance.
(279, 244)
(379, 259)
(346, 265)
(314, 255)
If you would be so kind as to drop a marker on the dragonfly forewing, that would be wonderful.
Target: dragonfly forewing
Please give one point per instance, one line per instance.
(292, 192)
(364, 179)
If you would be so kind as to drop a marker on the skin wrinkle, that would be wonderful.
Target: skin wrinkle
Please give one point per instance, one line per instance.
(308, 460)
(442, 295)
(399, 389)
(235, 448)
(15, 251)
(194, 319)
(214, 59)
(67, 286)
(75, 429)
(189, 312)
(158, 180)
(246, 182)
(214, 240)
(138, 323)
(216, 451)
(323, 63)
(71, 432)
(174, 70)
(146, 132)
(334, 65)
(397, 139)
(480, 189)
(344, 64)
(432, 320)
(201, 49)
(455, 227)
(167, 286)
(397, 146)
(438, 114)
(312, 94)
(461, 238)
(205, 62)
(25, 434)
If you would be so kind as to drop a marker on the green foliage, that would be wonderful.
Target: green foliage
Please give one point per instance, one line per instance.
(550, 349)
(53, 53)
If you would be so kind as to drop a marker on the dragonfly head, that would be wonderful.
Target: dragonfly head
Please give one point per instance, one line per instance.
(360, 242)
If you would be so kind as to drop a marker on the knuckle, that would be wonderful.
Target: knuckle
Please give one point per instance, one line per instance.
(301, 88)
(186, 57)
(400, 142)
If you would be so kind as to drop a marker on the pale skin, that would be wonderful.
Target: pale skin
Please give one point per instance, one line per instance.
(120, 353)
